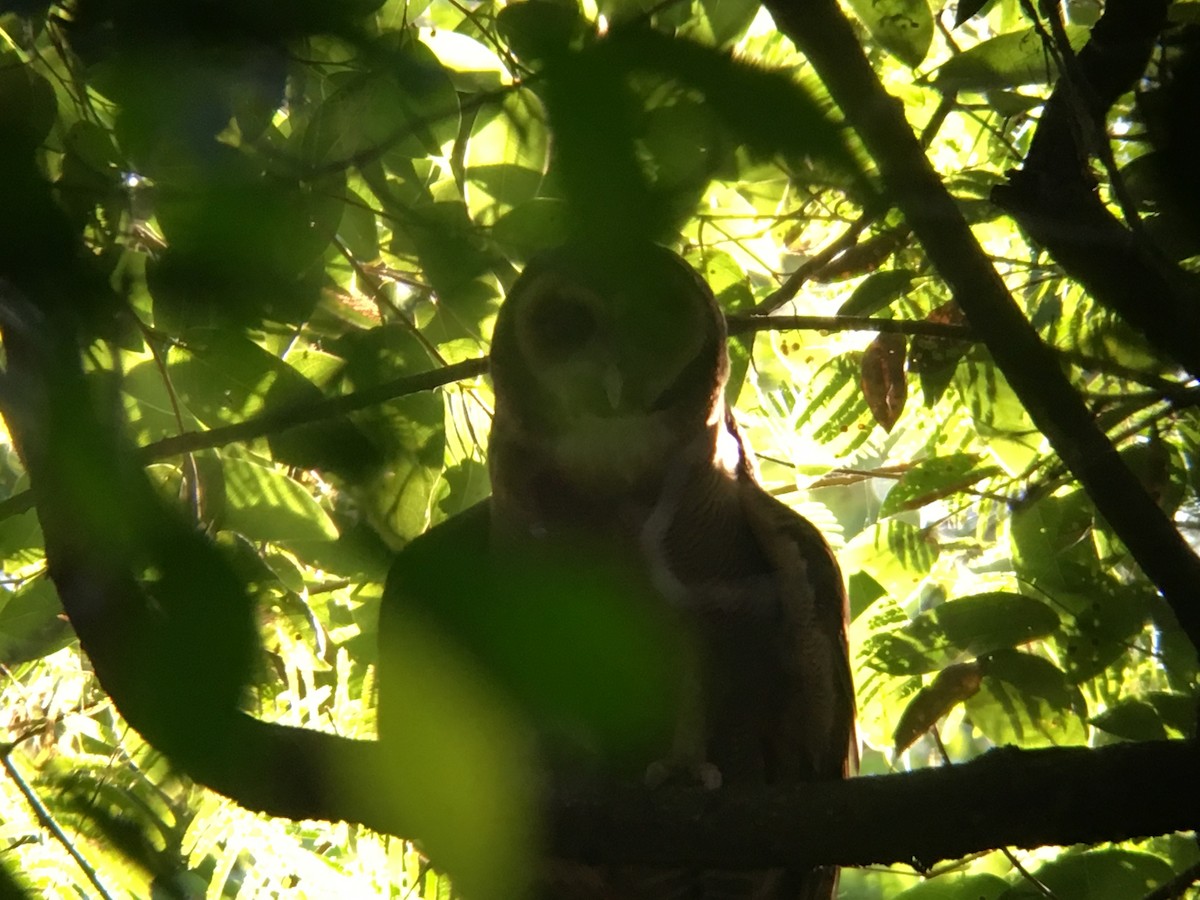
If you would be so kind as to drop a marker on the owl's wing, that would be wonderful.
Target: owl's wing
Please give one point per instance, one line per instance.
(815, 737)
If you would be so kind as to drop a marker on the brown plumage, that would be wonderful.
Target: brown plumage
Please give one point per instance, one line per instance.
(611, 432)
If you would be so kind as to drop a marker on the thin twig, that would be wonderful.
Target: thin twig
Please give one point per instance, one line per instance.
(1177, 885)
(47, 821)
(792, 284)
(742, 324)
(275, 420)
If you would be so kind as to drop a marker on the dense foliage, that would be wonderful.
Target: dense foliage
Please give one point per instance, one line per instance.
(278, 234)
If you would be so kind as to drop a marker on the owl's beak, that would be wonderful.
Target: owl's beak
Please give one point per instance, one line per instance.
(612, 386)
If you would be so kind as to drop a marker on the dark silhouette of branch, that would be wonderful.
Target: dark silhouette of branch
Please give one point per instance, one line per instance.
(1053, 197)
(1008, 797)
(822, 33)
(739, 324)
(1177, 885)
(274, 421)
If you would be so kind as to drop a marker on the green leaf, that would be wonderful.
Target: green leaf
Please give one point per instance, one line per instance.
(896, 554)
(227, 378)
(1027, 701)
(1101, 623)
(506, 155)
(32, 624)
(89, 170)
(1133, 720)
(359, 229)
(877, 292)
(532, 226)
(999, 416)
(729, 19)
(21, 538)
(1007, 61)
(538, 29)
(408, 432)
(447, 244)
(957, 886)
(408, 107)
(27, 105)
(504, 184)
(731, 286)
(931, 480)
(1052, 542)
(903, 27)
(264, 504)
(464, 485)
(242, 243)
(933, 360)
(968, 8)
(1109, 874)
(1176, 711)
(982, 623)
(472, 66)
(358, 552)
(967, 627)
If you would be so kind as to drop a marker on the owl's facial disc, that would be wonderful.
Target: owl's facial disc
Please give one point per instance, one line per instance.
(591, 343)
(608, 351)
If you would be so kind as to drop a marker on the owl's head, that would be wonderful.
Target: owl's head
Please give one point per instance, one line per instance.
(589, 336)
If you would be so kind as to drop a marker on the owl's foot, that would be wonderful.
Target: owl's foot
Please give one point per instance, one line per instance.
(682, 773)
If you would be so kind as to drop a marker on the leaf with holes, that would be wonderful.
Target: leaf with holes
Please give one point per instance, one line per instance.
(903, 27)
(1007, 61)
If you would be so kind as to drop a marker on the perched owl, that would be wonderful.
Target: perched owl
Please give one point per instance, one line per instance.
(612, 442)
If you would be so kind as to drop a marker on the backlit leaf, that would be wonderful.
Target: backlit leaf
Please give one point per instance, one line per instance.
(883, 381)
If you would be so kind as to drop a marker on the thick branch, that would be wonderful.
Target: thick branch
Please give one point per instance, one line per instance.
(1007, 797)
(822, 33)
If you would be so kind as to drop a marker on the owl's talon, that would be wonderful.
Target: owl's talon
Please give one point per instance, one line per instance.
(695, 773)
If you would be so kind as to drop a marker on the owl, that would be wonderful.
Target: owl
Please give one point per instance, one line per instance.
(612, 441)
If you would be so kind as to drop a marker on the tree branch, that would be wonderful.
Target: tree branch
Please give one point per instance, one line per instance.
(819, 29)
(1053, 197)
(1006, 797)
(274, 421)
(741, 324)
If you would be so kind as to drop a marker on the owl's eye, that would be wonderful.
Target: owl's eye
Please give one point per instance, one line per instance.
(561, 325)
